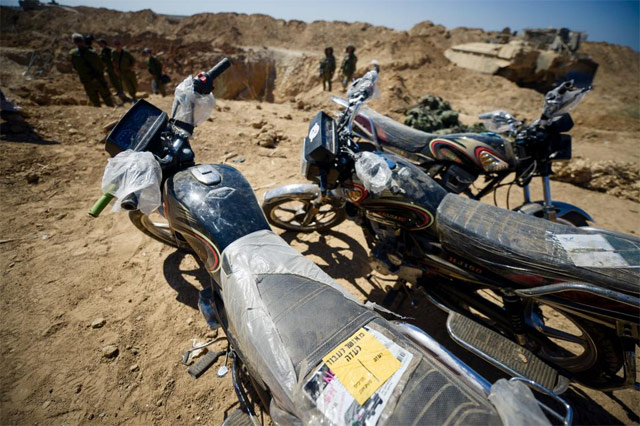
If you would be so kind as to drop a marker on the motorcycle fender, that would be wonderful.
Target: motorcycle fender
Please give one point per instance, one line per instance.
(536, 208)
(305, 191)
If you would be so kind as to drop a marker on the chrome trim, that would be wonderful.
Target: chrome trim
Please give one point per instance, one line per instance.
(567, 419)
(306, 190)
(531, 208)
(587, 288)
(549, 211)
(353, 116)
(527, 194)
(430, 345)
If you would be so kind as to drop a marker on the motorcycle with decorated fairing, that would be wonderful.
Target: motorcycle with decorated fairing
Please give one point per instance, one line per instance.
(537, 298)
(457, 161)
(301, 347)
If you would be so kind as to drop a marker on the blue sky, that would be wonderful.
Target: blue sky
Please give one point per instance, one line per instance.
(614, 21)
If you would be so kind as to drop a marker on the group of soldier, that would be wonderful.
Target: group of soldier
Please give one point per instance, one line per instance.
(118, 63)
(347, 68)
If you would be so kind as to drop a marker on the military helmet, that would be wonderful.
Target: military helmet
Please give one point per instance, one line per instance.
(77, 37)
(101, 41)
(328, 50)
(146, 50)
(351, 47)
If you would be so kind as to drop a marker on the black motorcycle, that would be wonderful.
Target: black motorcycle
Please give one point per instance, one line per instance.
(301, 347)
(456, 161)
(538, 299)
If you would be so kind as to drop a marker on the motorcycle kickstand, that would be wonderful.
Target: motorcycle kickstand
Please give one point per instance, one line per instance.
(396, 296)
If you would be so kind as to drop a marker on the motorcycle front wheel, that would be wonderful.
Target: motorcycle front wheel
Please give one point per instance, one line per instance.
(156, 227)
(300, 214)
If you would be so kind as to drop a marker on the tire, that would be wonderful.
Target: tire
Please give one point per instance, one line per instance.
(602, 355)
(573, 219)
(159, 231)
(291, 214)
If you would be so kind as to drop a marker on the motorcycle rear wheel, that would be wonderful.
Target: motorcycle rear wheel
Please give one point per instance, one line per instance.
(295, 214)
(590, 352)
(157, 228)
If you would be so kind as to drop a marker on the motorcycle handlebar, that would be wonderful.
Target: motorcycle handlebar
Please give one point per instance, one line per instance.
(100, 205)
(203, 82)
(218, 69)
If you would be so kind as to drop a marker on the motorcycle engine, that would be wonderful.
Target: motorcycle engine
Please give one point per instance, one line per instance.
(456, 179)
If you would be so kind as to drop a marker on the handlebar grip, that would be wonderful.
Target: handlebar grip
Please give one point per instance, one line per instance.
(130, 202)
(100, 205)
(218, 69)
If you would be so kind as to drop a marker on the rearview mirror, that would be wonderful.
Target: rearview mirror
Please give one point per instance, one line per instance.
(498, 121)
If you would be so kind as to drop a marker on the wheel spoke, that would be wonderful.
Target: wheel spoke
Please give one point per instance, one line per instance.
(161, 225)
(562, 335)
(288, 210)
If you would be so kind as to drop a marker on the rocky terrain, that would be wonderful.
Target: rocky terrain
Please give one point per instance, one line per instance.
(96, 316)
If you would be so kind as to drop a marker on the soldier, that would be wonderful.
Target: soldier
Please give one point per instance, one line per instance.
(155, 69)
(88, 40)
(327, 68)
(348, 66)
(87, 64)
(106, 56)
(123, 63)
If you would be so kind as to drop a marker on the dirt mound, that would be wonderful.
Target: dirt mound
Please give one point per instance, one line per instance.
(613, 177)
(277, 60)
(64, 272)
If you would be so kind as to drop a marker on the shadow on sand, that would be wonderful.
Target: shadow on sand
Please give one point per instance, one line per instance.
(177, 278)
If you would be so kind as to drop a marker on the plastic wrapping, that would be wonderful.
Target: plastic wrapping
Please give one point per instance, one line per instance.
(134, 172)
(374, 172)
(498, 121)
(503, 238)
(516, 404)
(263, 252)
(287, 316)
(189, 106)
(365, 88)
(563, 99)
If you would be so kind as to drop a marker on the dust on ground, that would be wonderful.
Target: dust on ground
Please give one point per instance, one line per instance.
(64, 270)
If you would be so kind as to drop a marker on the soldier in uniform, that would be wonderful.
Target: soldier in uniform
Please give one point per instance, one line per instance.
(123, 63)
(155, 69)
(327, 68)
(106, 57)
(348, 66)
(89, 67)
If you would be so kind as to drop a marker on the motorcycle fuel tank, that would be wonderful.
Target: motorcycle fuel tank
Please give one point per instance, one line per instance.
(211, 206)
(410, 202)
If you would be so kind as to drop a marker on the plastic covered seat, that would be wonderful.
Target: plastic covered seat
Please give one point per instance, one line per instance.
(397, 135)
(288, 314)
(508, 241)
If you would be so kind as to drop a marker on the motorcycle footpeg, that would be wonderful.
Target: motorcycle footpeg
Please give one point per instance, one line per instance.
(203, 364)
(503, 353)
(238, 418)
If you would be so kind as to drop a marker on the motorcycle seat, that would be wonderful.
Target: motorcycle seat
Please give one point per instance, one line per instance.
(287, 314)
(518, 244)
(391, 133)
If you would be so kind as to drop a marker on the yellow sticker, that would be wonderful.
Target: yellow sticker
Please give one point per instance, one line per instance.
(362, 364)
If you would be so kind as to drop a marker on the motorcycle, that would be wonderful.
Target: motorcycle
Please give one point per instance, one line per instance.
(301, 348)
(512, 283)
(456, 161)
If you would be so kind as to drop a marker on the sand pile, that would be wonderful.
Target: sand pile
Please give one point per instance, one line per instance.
(621, 179)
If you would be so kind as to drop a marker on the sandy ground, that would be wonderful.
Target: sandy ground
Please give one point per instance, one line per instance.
(62, 270)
